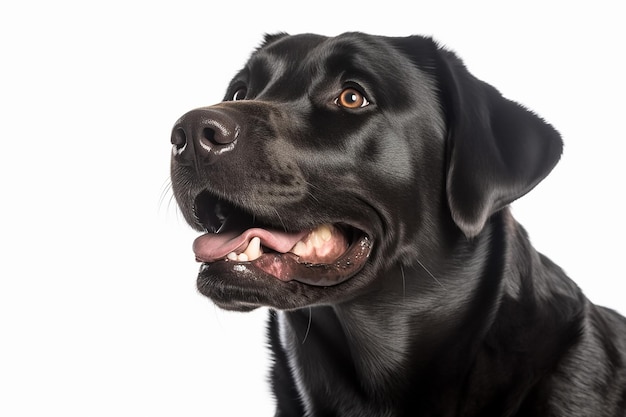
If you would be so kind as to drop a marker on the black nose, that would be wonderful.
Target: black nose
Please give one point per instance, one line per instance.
(202, 135)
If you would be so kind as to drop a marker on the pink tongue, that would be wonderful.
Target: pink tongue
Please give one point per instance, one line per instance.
(212, 247)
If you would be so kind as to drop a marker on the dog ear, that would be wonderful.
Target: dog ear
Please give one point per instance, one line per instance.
(497, 150)
(270, 38)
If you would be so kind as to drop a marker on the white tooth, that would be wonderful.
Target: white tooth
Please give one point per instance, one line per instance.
(253, 251)
(316, 239)
(325, 232)
(299, 248)
(232, 256)
(242, 257)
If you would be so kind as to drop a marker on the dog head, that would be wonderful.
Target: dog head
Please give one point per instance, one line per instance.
(331, 160)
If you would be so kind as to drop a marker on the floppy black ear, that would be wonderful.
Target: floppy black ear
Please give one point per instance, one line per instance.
(497, 150)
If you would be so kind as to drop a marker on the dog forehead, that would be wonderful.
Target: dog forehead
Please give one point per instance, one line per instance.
(308, 50)
(377, 60)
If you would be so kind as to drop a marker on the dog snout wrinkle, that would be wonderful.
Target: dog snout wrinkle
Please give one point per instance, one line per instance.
(202, 135)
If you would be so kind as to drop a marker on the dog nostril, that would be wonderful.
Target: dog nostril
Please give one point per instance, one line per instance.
(208, 135)
(179, 139)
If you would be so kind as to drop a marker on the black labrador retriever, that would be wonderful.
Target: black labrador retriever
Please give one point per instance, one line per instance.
(358, 187)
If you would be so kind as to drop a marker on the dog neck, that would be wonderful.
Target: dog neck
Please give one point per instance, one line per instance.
(381, 344)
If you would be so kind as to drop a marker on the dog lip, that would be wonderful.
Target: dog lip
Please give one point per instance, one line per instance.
(289, 267)
(212, 247)
(321, 274)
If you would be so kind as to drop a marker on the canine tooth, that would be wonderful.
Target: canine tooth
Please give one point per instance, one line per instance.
(299, 248)
(253, 251)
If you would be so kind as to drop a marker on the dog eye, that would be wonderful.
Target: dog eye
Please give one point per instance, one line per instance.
(351, 98)
(240, 94)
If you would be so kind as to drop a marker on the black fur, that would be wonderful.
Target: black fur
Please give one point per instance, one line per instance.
(454, 313)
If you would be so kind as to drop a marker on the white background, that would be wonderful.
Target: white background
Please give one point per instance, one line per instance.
(99, 315)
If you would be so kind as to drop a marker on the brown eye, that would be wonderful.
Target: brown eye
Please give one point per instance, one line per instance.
(240, 94)
(351, 98)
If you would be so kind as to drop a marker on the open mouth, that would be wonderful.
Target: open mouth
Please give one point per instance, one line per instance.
(322, 255)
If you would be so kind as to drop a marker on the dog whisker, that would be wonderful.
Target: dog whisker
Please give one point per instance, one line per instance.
(430, 273)
(308, 327)
(168, 199)
(280, 219)
(311, 185)
(166, 189)
(403, 281)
